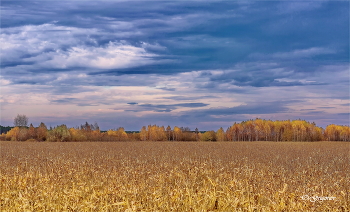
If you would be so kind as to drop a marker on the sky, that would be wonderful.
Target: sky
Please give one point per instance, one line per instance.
(204, 64)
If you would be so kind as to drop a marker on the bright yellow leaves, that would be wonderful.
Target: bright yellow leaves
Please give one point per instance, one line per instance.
(251, 130)
(118, 135)
(267, 130)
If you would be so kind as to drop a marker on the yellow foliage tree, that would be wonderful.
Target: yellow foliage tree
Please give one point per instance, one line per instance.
(13, 134)
(41, 132)
(177, 133)
(220, 135)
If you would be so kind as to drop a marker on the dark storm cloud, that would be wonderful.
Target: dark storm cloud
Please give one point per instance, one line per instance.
(181, 98)
(66, 49)
(263, 78)
(214, 116)
(166, 88)
(15, 64)
(90, 100)
(255, 78)
(164, 108)
(63, 101)
(318, 113)
(66, 89)
(191, 105)
(278, 74)
(185, 36)
(170, 68)
(344, 114)
(324, 119)
(250, 108)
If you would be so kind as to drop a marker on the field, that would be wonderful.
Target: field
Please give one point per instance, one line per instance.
(174, 176)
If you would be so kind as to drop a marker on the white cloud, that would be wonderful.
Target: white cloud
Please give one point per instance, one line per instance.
(295, 54)
(4, 82)
(111, 56)
(46, 46)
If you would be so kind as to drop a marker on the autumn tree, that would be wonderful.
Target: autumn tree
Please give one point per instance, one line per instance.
(250, 130)
(23, 134)
(77, 134)
(122, 136)
(196, 131)
(161, 135)
(96, 133)
(236, 131)
(13, 134)
(208, 136)
(168, 130)
(88, 132)
(134, 136)
(345, 133)
(41, 132)
(143, 134)
(59, 133)
(187, 134)
(278, 127)
(177, 133)
(118, 135)
(337, 133)
(287, 134)
(152, 132)
(31, 132)
(267, 130)
(220, 134)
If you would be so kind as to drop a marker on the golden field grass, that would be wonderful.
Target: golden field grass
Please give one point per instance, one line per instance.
(174, 176)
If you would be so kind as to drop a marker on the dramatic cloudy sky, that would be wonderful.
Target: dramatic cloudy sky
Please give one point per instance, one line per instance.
(197, 64)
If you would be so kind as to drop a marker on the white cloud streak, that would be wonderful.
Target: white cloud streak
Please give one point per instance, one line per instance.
(52, 46)
(303, 53)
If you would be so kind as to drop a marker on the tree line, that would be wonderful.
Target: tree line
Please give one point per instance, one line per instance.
(251, 130)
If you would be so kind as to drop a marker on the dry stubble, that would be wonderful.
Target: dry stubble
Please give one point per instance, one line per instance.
(157, 176)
